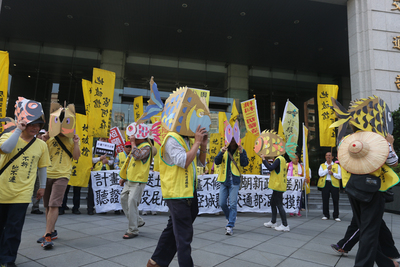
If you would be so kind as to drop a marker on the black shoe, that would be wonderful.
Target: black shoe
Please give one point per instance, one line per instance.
(90, 212)
(76, 212)
(11, 264)
(36, 212)
(117, 212)
(61, 212)
(66, 208)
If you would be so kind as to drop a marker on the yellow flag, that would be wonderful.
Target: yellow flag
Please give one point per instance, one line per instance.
(81, 169)
(101, 102)
(290, 122)
(250, 116)
(86, 88)
(305, 158)
(216, 143)
(280, 130)
(138, 107)
(254, 160)
(234, 114)
(221, 126)
(4, 68)
(327, 136)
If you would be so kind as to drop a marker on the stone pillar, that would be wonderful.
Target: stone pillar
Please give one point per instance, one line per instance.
(238, 82)
(374, 61)
(114, 61)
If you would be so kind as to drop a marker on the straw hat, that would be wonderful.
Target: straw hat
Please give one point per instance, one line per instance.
(363, 152)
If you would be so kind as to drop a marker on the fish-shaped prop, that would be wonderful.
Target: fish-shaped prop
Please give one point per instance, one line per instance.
(9, 126)
(144, 131)
(184, 111)
(62, 120)
(271, 145)
(155, 104)
(370, 114)
(28, 110)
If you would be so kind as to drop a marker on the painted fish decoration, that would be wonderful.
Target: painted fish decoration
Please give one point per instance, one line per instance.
(271, 144)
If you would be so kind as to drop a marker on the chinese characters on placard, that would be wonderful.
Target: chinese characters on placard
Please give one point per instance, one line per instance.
(327, 112)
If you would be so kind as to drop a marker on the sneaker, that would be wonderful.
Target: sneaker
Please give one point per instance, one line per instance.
(338, 219)
(291, 214)
(229, 231)
(144, 212)
(36, 211)
(282, 228)
(270, 224)
(47, 243)
(53, 236)
(338, 250)
(154, 212)
(324, 218)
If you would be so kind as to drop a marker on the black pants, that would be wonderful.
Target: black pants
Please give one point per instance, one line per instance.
(178, 234)
(368, 216)
(328, 190)
(76, 199)
(385, 239)
(277, 203)
(90, 197)
(12, 218)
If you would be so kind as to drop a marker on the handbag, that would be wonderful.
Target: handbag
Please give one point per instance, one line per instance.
(363, 187)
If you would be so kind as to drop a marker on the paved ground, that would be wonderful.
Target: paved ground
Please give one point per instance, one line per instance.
(97, 241)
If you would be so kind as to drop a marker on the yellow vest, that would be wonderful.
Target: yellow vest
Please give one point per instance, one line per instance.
(335, 182)
(224, 167)
(278, 181)
(136, 171)
(177, 182)
(99, 165)
(122, 158)
(388, 177)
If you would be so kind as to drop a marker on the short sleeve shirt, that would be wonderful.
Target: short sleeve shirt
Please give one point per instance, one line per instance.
(18, 180)
(61, 162)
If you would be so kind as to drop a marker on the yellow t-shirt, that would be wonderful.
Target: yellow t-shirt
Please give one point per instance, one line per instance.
(61, 163)
(18, 180)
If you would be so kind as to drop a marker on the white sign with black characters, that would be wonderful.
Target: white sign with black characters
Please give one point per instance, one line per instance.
(104, 148)
(106, 190)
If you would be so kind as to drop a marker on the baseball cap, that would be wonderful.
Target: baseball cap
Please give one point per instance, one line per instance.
(128, 143)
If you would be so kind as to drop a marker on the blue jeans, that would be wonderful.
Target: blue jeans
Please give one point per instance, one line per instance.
(231, 211)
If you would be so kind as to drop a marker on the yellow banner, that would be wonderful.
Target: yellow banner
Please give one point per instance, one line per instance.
(250, 116)
(4, 68)
(216, 143)
(101, 102)
(254, 160)
(81, 169)
(86, 88)
(221, 126)
(306, 164)
(327, 136)
(234, 114)
(290, 122)
(280, 130)
(202, 94)
(138, 107)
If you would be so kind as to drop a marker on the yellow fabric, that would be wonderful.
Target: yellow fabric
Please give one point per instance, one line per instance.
(122, 159)
(254, 160)
(250, 116)
(216, 142)
(137, 107)
(278, 181)
(388, 177)
(81, 170)
(177, 182)
(224, 167)
(335, 182)
(61, 163)
(101, 102)
(305, 159)
(137, 171)
(290, 122)
(86, 88)
(280, 130)
(4, 68)
(327, 136)
(18, 180)
(234, 114)
(99, 165)
(156, 166)
(221, 126)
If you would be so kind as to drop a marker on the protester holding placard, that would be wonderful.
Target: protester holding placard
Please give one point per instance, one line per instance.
(134, 174)
(229, 175)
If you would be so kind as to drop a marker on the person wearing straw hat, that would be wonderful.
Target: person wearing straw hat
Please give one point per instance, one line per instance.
(330, 174)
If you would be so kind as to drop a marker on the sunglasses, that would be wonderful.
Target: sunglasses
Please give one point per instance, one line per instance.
(128, 146)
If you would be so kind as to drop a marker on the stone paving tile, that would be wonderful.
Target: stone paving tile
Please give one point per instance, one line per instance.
(329, 259)
(73, 258)
(224, 250)
(261, 257)
(233, 262)
(109, 250)
(301, 263)
(205, 258)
